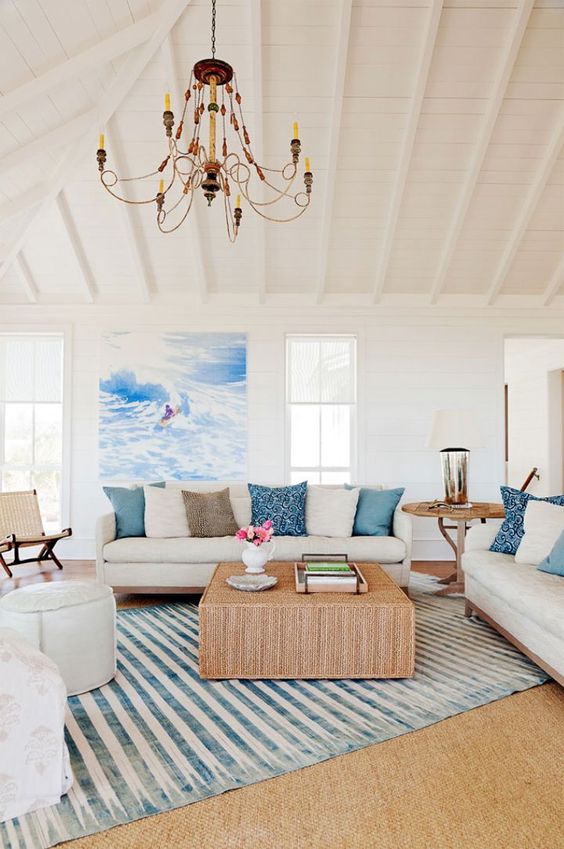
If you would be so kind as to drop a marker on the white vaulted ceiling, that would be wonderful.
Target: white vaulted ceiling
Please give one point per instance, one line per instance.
(435, 131)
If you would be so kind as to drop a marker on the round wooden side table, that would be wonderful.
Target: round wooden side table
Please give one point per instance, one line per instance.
(482, 510)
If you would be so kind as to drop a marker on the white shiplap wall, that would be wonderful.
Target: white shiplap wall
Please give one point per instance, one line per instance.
(409, 366)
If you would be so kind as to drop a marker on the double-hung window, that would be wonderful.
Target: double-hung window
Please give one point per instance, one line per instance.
(31, 418)
(321, 408)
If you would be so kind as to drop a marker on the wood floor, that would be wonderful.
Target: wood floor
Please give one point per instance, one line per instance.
(84, 570)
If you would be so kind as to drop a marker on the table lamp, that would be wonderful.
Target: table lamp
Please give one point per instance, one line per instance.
(454, 432)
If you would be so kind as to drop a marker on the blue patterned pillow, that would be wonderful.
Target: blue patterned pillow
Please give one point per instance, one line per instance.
(511, 532)
(285, 505)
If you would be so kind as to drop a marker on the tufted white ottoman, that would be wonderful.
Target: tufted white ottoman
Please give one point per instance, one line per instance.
(73, 623)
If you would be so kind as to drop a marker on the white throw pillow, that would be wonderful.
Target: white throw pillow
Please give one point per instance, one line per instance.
(330, 512)
(165, 514)
(543, 524)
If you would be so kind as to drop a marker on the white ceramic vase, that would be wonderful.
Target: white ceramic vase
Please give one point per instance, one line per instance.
(255, 557)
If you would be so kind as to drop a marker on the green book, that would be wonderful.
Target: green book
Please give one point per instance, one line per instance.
(329, 567)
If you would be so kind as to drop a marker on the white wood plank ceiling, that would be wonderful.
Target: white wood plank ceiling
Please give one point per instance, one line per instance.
(435, 130)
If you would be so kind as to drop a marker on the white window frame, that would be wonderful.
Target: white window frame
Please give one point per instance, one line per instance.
(65, 333)
(352, 468)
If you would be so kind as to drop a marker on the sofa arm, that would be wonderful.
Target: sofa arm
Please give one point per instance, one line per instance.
(480, 537)
(105, 532)
(403, 529)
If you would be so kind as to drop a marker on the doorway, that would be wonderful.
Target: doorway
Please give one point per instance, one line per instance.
(534, 413)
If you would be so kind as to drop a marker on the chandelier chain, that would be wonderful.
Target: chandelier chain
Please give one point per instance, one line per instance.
(213, 29)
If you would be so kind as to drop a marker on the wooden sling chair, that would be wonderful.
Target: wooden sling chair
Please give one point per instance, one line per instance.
(21, 527)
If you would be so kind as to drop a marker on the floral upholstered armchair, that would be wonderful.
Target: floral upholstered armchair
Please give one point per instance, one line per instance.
(34, 761)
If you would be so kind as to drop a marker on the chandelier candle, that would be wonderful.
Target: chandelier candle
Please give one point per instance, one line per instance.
(213, 92)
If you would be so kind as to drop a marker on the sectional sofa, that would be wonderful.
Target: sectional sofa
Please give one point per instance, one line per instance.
(141, 564)
(521, 602)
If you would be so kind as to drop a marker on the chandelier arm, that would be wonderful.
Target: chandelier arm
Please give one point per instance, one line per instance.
(232, 230)
(123, 199)
(232, 170)
(281, 220)
(182, 220)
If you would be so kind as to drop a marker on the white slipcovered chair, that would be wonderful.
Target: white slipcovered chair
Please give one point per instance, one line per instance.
(34, 761)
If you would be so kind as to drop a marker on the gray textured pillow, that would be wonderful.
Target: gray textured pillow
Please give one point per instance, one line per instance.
(210, 514)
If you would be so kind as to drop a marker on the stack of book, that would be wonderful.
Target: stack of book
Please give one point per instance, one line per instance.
(330, 577)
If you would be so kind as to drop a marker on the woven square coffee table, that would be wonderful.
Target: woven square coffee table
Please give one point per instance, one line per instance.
(280, 633)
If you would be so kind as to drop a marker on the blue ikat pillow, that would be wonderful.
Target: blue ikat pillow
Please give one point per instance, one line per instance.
(511, 532)
(284, 505)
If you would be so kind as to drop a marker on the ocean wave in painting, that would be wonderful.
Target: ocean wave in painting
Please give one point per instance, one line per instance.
(173, 406)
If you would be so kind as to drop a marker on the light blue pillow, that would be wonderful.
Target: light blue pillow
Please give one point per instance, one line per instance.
(554, 562)
(510, 534)
(129, 507)
(375, 511)
(284, 505)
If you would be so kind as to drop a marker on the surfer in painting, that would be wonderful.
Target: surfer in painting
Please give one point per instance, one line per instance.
(169, 414)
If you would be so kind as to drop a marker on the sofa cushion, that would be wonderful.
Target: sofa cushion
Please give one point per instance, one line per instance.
(554, 562)
(165, 514)
(533, 593)
(543, 524)
(210, 514)
(511, 531)
(330, 512)
(375, 511)
(129, 507)
(213, 550)
(284, 505)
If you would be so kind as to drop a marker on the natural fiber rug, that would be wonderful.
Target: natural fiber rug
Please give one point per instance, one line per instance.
(488, 778)
(158, 737)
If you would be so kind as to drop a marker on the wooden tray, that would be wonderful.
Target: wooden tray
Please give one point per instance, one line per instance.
(299, 576)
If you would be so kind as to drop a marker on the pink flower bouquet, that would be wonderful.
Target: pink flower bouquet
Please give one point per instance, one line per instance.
(256, 534)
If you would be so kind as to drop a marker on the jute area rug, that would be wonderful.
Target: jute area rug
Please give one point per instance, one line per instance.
(488, 778)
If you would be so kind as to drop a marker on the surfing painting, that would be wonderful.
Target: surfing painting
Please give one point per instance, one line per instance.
(173, 406)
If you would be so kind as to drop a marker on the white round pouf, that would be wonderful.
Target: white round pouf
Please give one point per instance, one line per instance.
(73, 623)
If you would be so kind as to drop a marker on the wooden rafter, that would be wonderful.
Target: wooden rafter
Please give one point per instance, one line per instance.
(131, 224)
(111, 100)
(488, 124)
(26, 279)
(407, 145)
(194, 225)
(340, 65)
(75, 67)
(528, 210)
(50, 142)
(258, 136)
(555, 284)
(87, 278)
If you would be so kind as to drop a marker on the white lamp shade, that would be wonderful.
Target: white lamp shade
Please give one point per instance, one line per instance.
(454, 429)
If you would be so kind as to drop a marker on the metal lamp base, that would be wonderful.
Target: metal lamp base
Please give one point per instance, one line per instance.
(454, 462)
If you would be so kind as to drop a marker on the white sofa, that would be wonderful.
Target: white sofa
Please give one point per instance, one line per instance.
(140, 564)
(521, 602)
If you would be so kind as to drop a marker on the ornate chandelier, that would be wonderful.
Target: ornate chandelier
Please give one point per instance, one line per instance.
(213, 89)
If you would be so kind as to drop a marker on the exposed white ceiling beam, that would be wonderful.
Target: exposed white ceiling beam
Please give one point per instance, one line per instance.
(131, 224)
(555, 284)
(88, 282)
(408, 141)
(26, 279)
(27, 200)
(503, 75)
(168, 14)
(528, 210)
(258, 137)
(340, 65)
(194, 222)
(48, 143)
(75, 67)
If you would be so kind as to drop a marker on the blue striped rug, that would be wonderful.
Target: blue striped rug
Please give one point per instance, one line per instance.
(158, 737)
